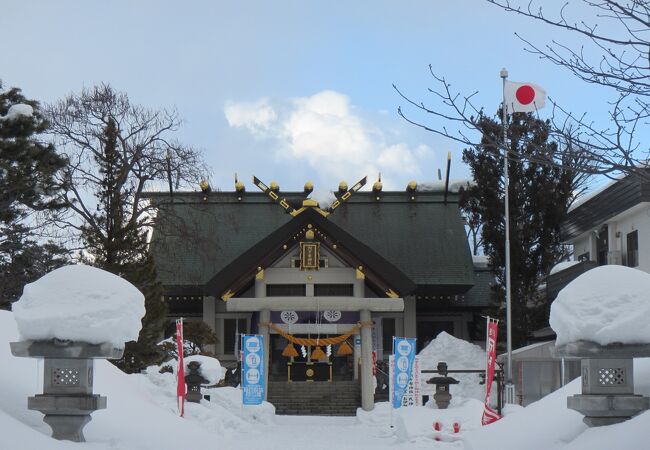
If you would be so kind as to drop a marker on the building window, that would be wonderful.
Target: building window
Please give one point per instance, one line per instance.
(602, 246)
(286, 290)
(583, 257)
(633, 249)
(232, 330)
(333, 290)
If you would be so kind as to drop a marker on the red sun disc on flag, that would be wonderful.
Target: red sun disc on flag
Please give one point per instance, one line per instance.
(525, 94)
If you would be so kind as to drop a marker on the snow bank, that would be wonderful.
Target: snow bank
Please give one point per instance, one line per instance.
(562, 265)
(18, 110)
(210, 369)
(224, 413)
(16, 433)
(606, 304)
(141, 409)
(80, 303)
(549, 424)
(458, 354)
(414, 422)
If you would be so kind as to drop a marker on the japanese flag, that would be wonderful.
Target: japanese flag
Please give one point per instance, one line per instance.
(523, 97)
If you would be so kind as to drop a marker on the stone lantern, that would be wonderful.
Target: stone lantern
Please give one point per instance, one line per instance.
(194, 380)
(607, 381)
(442, 396)
(67, 399)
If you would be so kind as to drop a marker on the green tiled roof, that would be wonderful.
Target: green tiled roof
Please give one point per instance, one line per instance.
(424, 238)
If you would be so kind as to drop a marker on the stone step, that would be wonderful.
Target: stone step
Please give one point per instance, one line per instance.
(338, 398)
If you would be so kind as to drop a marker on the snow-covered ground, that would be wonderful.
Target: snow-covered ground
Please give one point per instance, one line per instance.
(141, 414)
(605, 305)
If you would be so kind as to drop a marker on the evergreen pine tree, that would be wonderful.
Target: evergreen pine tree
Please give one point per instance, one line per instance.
(144, 352)
(119, 246)
(28, 183)
(539, 196)
(23, 260)
(119, 149)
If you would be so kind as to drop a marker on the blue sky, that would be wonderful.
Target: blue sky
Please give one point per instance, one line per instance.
(286, 90)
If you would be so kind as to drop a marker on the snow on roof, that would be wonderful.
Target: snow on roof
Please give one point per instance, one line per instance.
(562, 265)
(480, 260)
(80, 303)
(586, 197)
(454, 185)
(18, 110)
(607, 304)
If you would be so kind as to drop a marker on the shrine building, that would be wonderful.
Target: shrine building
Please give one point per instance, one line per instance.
(328, 287)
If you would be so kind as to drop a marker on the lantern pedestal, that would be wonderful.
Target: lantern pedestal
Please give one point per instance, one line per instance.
(194, 380)
(607, 381)
(442, 397)
(67, 400)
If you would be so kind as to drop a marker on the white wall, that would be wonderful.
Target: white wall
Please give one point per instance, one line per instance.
(581, 246)
(640, 221)
(637, 219)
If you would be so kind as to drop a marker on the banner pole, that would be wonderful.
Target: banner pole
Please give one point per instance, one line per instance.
(180, 370)
(504, 119)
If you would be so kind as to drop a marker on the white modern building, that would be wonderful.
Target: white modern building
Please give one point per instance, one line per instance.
(612, 226)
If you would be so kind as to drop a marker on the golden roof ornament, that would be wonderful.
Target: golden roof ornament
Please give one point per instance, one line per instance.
(377, 186)
(239, 186)
(205, 186)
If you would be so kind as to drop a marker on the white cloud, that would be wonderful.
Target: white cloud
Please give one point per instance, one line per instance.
(327, 132)
(257, 117)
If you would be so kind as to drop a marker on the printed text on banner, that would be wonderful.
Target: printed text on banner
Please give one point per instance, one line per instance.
(404, 354)
(253, 380)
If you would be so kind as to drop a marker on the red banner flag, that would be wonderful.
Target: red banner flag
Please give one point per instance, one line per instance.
(180, 371)
(490, 415)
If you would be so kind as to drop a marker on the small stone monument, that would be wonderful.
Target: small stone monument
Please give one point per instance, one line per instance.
(607, 381)
(194, 380)
(67, 399)
(442, 397)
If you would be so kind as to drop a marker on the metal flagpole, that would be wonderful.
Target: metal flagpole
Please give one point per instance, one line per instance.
(510, 388)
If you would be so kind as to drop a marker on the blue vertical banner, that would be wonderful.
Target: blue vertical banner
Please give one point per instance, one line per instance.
(253, 380)
(404, 354)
